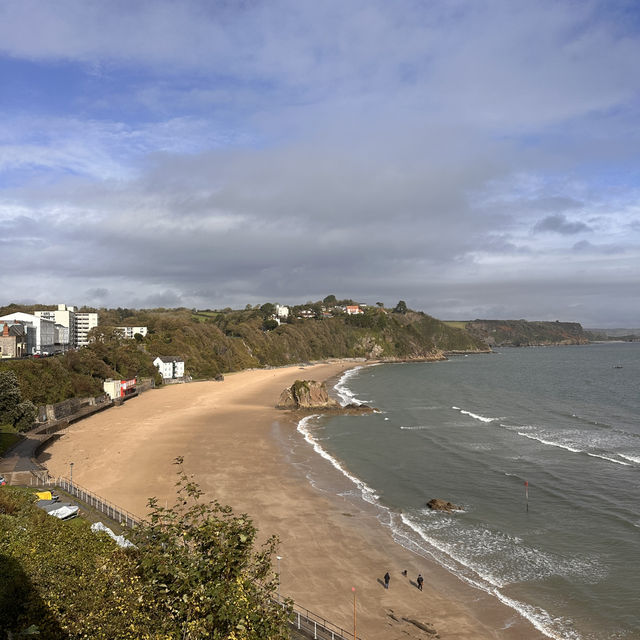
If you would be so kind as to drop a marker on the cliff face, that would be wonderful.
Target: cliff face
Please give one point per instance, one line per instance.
(520, 333)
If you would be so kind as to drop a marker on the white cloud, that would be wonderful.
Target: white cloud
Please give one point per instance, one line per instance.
(441, 153)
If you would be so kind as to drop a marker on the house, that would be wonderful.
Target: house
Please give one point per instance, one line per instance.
(282, 312)
(13, 341)
(353, 310)
(130, 332)
(170, 367)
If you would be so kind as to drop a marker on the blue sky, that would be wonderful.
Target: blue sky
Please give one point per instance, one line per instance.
(476, 159)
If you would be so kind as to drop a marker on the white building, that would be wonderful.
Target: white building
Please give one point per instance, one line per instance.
(282, 311)
(129, 332)
(40, 331)
(119, 388)
(65, 317)
(170, 367)
(79, 323)
(85, 321)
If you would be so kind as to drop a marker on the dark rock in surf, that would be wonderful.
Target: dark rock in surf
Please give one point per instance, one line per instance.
(442, 505)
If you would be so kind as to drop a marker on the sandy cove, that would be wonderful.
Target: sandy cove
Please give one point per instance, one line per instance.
(239, 448)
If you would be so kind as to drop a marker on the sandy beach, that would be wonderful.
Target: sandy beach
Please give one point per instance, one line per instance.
(246, 453)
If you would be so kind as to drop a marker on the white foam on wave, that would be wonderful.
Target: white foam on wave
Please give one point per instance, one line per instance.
(551, 443)
(573, 449)
(635, 459)
(474, 415)
(557, 629)
(416, 428)
(344, 393)
(368, 494)
(442, 553)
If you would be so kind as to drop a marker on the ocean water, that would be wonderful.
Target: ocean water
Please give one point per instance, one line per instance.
(473, 430)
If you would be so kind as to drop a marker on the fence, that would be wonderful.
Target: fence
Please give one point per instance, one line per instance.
(100, 504)
(314, 626)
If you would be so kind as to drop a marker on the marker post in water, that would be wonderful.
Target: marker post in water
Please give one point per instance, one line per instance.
(526, 493)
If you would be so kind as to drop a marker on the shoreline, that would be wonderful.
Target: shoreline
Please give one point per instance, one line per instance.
(248, 454)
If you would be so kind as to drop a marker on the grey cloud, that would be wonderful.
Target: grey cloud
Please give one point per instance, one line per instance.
(558, 223)
(98, 293)
(394, 153)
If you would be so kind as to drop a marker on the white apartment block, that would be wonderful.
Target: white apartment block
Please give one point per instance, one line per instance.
(78, 323)
(129, 332)
(41, 332)
(85, 321)
(65, 317)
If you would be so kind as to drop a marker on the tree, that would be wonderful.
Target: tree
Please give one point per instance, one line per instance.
(380, 304)
(13, 411)
(330, 300)
(9, 396)
(269, 324)
(198, 565)
(401, 307)
(268, 309)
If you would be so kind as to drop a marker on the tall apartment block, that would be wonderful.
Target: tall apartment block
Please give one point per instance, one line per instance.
(85, 321)
(76, 323)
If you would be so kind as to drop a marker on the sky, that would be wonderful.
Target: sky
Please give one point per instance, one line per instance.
(477, 159)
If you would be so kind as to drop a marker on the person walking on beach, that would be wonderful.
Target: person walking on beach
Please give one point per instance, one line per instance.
(420, 580)
(387, 577)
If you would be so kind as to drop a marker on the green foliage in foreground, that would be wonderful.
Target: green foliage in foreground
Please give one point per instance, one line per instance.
(14, 412)
(8, 437)
(194, 574)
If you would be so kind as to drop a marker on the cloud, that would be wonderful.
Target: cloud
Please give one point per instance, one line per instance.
(559, 224)
(440, 153)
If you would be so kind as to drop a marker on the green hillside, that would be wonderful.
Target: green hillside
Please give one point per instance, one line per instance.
(523, 333)
(215, 342)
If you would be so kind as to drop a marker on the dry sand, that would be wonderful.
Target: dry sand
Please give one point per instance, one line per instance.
(246, 453)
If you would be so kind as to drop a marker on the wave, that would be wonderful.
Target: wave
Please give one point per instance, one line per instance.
(574, 449)
(443, 554)
(368, 494)
(474, 415)
(635, 459)
(344, 393)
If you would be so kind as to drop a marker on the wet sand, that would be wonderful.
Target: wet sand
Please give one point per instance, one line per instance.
(246, 453)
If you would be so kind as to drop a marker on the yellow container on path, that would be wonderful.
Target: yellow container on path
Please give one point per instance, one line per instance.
(44, 495)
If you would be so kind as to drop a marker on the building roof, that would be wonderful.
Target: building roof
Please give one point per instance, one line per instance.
(13, 329)
(170, 358)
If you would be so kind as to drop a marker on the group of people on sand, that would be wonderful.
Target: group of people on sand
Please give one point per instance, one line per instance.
(419, 579)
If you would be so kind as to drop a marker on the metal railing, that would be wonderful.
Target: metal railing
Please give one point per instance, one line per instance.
(315, 626)
(100, 504)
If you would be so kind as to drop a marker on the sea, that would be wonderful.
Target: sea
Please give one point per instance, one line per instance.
(540, 449)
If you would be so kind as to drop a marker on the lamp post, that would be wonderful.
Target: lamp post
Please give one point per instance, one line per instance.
(71, 472)
(355, 637)
(278, 558)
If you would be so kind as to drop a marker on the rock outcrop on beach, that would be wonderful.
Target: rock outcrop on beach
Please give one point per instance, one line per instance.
(306, 394)
(442, 505)
(309, 395)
